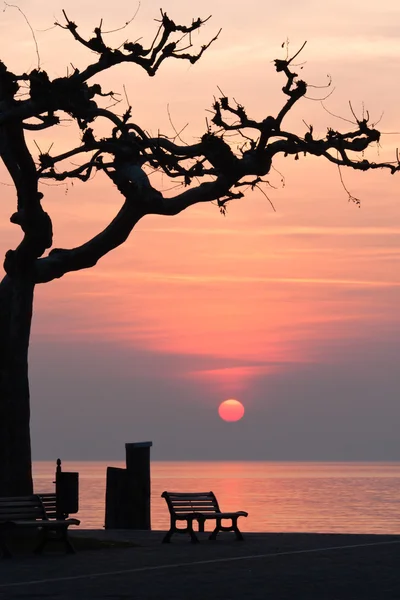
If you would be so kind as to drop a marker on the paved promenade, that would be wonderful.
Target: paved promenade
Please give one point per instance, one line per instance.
(264, 566)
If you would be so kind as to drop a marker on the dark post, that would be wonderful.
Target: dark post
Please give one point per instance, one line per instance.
(138, 470)
(128, 490)
(117, 506)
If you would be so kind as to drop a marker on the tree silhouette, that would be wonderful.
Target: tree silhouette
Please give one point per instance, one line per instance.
(211, 170)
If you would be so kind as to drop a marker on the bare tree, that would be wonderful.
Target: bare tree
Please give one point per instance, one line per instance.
(211, 170)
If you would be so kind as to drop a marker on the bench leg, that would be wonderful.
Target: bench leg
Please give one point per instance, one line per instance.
(168, 536)
(43, 539)
(189, 529)
(4, 550)
(60, 534)
(235, 528)
(170, 533)
(214, 534)
(193, 537)
(69, 548)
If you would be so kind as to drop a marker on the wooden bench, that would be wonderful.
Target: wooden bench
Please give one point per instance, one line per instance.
(200, 507)
(30, 512)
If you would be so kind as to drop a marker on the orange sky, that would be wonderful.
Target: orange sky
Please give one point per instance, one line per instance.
(226, 305)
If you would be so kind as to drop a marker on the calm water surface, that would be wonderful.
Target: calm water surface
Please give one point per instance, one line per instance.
(302, 497)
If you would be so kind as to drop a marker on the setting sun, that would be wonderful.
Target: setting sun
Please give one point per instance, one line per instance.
(231, 410)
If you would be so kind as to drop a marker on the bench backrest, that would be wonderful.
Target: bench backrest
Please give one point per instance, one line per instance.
(22, 508)
(49, 502)
(198, 502)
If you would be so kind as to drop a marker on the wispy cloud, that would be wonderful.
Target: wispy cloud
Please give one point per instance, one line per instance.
(274, 231)
(180, 278)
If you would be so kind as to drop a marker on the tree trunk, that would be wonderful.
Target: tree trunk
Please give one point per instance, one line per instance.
(16, 301)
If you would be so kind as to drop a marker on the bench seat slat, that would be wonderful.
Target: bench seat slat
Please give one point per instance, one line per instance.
(193, 515)
(193, 503)
(22, 516)
(19, 507)
(189, 507)
(195, 509)
(228, 515)
(28, 520)
(192, 507)
(191, 499)
(32, 498)
(212, 515)
(10, 505)
(188, 494)
(25, 523)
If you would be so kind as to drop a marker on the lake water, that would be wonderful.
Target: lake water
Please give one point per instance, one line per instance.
(285, 497)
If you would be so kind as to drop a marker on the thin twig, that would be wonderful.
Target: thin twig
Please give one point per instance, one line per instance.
(336, 116)
(379, 120)
(351, 198)
(321, 99)
(321, 87)
(126, 24)
(174, 128)
(30, 27)
(262, 191)
(352, 111)
(297, 53)
(126, 97)
(47, 29)
(283, 180)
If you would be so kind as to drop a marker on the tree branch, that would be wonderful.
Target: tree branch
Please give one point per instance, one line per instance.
(34, 222)
(61, 261)
(149, 59)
